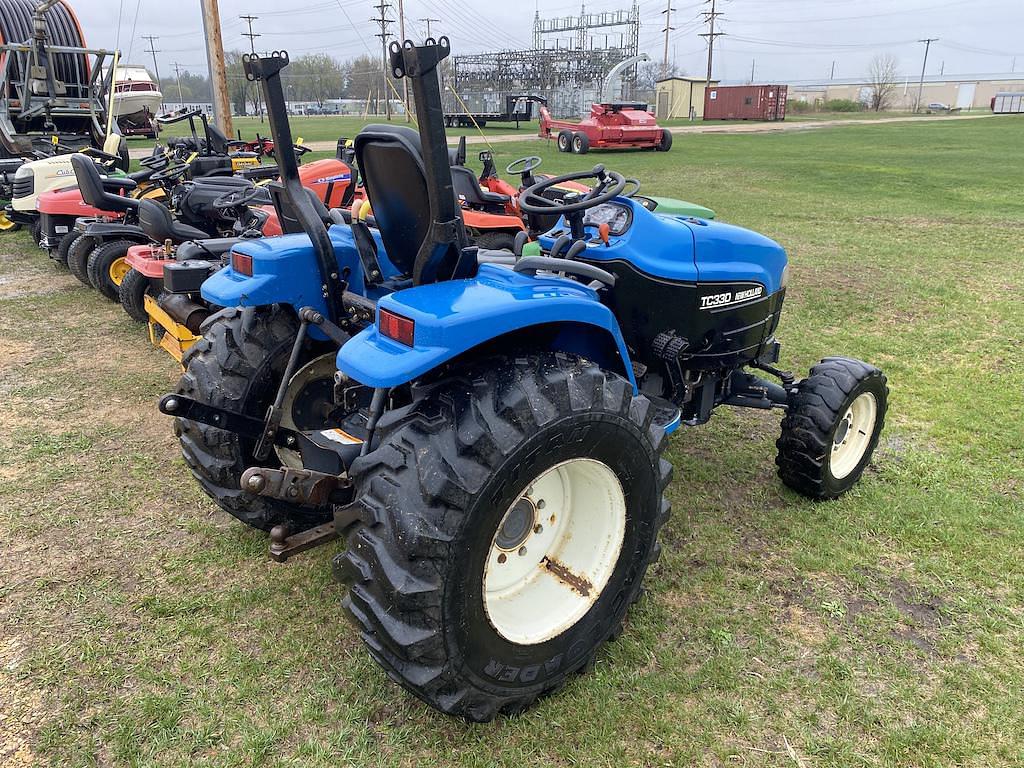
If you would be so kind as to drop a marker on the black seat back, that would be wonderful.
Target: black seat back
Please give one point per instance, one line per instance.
(391, 162)
(286, 217)
(158, 224)
(91, 184)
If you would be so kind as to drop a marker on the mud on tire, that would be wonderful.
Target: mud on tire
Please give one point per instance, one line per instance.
(238, 364)
(431, 497)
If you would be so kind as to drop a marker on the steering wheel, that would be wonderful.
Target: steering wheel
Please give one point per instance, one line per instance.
(171, 172)
(635, 190)
(301, 149)
(609, 185)
(154, 162)
(99, 154)
(529, 164)
(237, 198)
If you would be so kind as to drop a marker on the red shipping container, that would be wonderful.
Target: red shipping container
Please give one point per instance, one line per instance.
(745, 102)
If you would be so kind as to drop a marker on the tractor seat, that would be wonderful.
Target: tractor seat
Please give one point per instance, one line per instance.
(100, 192)
(390, 159)
(286, 216)
(468, 191)
(156, 221)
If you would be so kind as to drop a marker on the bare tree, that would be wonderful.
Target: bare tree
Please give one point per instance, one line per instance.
(882, 76)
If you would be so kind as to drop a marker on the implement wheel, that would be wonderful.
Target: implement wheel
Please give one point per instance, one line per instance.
(506, 521)
(832, 427)
(238, 365)
(564, 140)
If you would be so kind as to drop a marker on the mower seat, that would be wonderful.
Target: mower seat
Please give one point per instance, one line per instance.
(286, 217)
(467, 189)
(158, 224)
(390, 158)
(100, 192)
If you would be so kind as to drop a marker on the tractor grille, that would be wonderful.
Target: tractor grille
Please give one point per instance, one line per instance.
(24, 186)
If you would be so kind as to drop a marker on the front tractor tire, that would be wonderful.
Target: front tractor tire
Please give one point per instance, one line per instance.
(665, 142)
(78, 258)
(832, 427)
(505, 522)
(238, 365)
(132, 293)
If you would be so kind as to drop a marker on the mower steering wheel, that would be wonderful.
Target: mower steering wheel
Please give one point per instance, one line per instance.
(529, 164)
(154, 162)
(170, 173)
(237, 198)
(99, 154)
(609, 185)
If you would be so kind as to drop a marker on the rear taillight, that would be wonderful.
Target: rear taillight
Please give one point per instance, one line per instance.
(396, 327)
(241, 263)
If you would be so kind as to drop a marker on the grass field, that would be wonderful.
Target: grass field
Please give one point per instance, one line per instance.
(140, 626)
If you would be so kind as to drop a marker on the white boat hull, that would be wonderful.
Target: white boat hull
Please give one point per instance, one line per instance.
(135, 104)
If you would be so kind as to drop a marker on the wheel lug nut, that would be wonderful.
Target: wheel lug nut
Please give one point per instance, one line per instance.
(540, 504)
(502, 558)
(522, 551)
(538, 528)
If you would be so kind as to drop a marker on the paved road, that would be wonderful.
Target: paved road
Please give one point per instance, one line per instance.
(752, 127)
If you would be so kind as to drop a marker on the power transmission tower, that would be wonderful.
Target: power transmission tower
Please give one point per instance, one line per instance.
(252, 49)
(920, 85)
(177, 75)
(154, 51)
(384, 22)
(709, 17)
(215, 63)
(427, 21)
(668, 28)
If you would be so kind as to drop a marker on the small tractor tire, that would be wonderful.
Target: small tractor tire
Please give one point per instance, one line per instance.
(106, 267)
(564, 141)
(665, 142)
(832, 426)
(237, 365)
(454, 496)
(60, 253)
(495, 241)
(37, 231)
(78, 258)
(580, 143)
(132, 293)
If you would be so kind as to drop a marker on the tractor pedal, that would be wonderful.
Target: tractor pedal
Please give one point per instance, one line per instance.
(283, 544)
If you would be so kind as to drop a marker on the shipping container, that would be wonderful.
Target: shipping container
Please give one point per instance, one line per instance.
(745, 102)
(1008, 103)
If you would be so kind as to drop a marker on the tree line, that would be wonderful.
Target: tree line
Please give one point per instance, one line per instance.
(314, 78)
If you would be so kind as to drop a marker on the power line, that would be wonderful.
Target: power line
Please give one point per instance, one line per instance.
(709, 17)
(252, 48)
(384, 23)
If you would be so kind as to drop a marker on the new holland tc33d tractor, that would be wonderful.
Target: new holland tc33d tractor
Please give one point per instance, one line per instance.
(486, 428)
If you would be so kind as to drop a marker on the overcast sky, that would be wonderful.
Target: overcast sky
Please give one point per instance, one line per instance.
(788, 40)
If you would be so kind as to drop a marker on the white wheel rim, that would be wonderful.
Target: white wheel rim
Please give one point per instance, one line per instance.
(554, 551)
(852, 435)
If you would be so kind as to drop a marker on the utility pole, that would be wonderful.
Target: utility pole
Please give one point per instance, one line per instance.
(383, 7)
(215, 62)
(752, 63)
(252, 49)
(668, 28)
(709, 17)
(833, 75)
(427, 22)
(405, 80)
(920, 85)
(177, 75)
(154, 51)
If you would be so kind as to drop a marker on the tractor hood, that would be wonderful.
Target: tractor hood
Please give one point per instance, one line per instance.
(727, 253)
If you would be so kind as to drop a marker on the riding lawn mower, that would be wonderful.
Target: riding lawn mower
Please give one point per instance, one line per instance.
(486, 428)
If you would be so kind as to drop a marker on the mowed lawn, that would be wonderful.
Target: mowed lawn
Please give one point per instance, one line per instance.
(141, 626)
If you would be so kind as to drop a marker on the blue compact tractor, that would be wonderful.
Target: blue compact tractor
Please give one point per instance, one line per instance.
(486, 428)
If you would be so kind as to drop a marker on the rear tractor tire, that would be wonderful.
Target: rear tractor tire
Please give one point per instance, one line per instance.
(132, 293)
(78, 258)
(506, 520)
(833, 424)
(580, 143)
(237, 365)
(107, 267)
(564, 141)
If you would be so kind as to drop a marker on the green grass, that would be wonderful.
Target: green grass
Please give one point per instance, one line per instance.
(140, 626)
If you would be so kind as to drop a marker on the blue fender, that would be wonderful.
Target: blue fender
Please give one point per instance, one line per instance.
(456, 316)
(284, 271)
